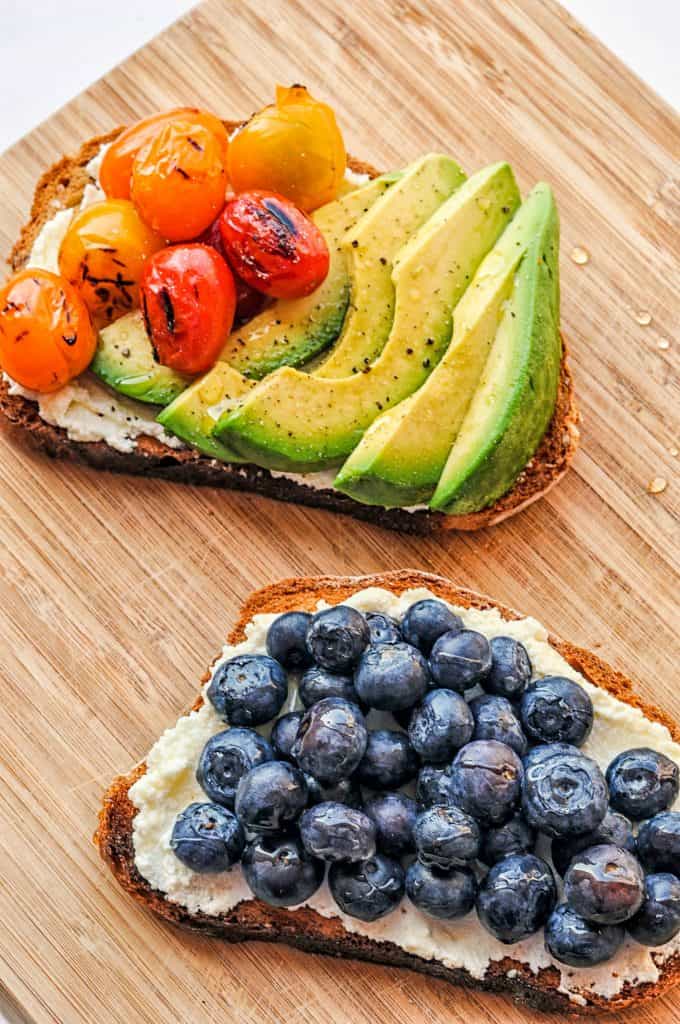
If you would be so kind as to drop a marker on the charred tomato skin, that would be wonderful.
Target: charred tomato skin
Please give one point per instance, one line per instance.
(272, 245)
(188, 301)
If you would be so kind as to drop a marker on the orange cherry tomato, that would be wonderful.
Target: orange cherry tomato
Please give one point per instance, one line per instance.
(116, 168)
(46, 337)
(179, 181)
(273, 246)
(103, 253)
(293, 147)
(188, 302)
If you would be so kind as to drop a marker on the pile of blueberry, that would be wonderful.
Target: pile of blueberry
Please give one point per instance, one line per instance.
(495, 760)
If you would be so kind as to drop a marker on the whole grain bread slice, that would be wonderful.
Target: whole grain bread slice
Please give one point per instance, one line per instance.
(62, 186)
(304, 928)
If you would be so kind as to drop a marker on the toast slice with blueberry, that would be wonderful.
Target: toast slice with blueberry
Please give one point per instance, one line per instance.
(63, 186)
(541, 987)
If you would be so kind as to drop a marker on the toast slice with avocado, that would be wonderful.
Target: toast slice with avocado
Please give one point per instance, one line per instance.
(473, 493)
(635, 973)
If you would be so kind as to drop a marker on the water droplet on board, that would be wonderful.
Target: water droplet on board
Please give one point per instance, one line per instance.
(657, 485)
(663, 344)
(579, 255)
(643, 318)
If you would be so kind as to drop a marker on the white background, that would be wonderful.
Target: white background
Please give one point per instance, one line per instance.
(52, 49)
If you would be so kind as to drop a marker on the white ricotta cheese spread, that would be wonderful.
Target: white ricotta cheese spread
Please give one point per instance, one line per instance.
(169, 785)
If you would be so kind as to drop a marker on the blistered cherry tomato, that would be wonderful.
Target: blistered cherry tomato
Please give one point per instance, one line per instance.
(179, 181)
(273, 245)
(116, 168)
(46, 337)
(293, 147)
(188, 302)
(103, 253)
(249, 302)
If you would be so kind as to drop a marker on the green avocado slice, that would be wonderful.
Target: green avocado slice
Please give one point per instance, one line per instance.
(400, 457)
(516, 397)
(125, 360)
(292, 331)
(370, 247)
(295, 422)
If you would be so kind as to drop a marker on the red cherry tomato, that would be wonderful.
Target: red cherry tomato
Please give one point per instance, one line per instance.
(248, 301)
(188, 301)
(46, 337)
(273, 245)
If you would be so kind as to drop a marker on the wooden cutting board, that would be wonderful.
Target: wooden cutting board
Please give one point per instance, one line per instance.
(116, 592)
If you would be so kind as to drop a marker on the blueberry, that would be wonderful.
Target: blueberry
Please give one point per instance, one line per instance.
(228, 756)
(367, 889)
(516, 897)
(544, 751)
(333, 831)
(510, 670)
(642, 783)
(287, 640)
(389, 760)
(658, 919)
(564, 794)
(392, 677)
(435, 786)
(614, 828)
(487, 781)
(658, 842)
(440, 725)
(207, 838)
(604, 884)
(331, 740)
(270, 797)
(284, 733)
(345, 791)
(572, 940)
(337, 637)
(442, 894)
(383, 629)
(280, 871)
(317, 683)
(514, 836)
(394, 816)
(425, 621)
(556, 710)
(496, 719)
(248, 690)
(446, 837)
(460, 660)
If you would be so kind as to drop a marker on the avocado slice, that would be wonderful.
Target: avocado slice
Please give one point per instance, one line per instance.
(516, 397)
(125, 360)
(370, 247)
(400, 457)
(295, 422)
(292, 331)
(193, 414)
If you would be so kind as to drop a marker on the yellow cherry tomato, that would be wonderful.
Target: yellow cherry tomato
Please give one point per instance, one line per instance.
(116, 169)
(179, 181)
(102, 255)
(293, 147)
(46, 337)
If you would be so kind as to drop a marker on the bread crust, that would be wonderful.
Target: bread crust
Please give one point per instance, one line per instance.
(62, 186)
(304, 928)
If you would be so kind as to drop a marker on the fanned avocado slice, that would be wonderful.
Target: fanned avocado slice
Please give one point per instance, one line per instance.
(292, 331)
(125, 361)
(400, 457)
(295, 422)
(516, 397)
(370, 247)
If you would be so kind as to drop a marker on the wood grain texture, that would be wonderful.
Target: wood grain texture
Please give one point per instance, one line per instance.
(115, 592)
